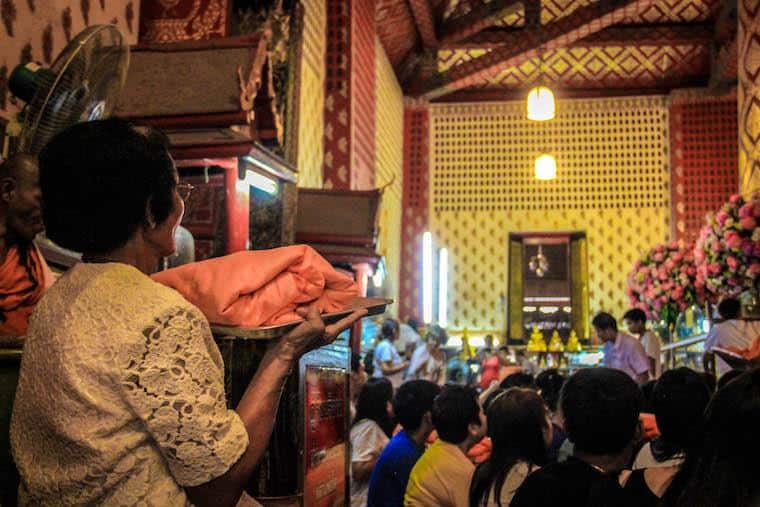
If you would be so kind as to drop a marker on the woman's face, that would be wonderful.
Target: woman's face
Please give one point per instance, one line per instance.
(162, 236)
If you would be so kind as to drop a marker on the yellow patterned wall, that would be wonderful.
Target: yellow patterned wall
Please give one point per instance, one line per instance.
(389, 134)
(613, 183)
(312, 99)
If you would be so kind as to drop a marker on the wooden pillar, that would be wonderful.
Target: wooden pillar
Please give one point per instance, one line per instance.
(349, 114)
(748, 39)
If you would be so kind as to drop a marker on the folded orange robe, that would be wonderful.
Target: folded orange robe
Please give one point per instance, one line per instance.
(261, 287)
(23, 280)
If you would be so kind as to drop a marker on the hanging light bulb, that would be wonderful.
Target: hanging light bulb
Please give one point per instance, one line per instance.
(541, 104)
(546, 167)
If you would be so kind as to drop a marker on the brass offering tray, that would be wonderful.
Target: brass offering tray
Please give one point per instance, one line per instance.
(374, 306)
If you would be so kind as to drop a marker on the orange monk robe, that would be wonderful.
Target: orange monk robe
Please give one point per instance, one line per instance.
(22, 283)
(261, 287)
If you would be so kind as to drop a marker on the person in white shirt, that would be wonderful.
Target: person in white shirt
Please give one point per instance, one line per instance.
(371, 430)
(386, 360)
(636, 322)
(409, 339)
(429, 361)
(732, 332)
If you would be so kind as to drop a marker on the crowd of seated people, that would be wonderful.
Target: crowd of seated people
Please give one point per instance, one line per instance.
(600, 437)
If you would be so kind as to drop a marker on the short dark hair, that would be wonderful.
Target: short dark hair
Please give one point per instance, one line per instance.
(646, 395)
(412, 322)
(635, 315)
(550, 382)
(519, 379)
(389, 328)
(601, 409)
(728, 377)
(729, 308)
(97, 180)
(453, 411)
(679, 399)
(413, 399)
(604, 320)
(372, 403)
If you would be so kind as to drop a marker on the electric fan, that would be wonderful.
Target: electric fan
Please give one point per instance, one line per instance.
(82, 85)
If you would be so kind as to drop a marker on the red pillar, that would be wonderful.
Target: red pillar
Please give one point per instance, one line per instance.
(349, 138)
(415, 200)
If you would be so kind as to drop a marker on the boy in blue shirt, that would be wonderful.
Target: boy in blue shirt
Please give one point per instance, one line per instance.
(411, 406)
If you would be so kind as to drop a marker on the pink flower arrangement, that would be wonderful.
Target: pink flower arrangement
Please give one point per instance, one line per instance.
(662, 282)
(727, 252)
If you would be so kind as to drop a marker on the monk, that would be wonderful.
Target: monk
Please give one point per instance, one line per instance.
(24, 275)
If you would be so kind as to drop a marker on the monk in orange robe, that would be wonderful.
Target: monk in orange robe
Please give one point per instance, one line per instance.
(24, 275)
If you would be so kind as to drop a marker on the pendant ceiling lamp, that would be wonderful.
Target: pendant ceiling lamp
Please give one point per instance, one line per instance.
(545, 167)
(541, 104)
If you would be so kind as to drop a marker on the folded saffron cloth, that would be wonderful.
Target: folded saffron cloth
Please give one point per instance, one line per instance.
(261, 287)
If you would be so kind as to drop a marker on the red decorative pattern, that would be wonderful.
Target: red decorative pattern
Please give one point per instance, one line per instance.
(704, 149)
(423, 17)
(362, 114)
(415, 205)
(337, 116)
(396, 30)
(178, 20)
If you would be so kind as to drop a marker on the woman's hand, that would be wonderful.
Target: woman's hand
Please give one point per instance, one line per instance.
(312, 333)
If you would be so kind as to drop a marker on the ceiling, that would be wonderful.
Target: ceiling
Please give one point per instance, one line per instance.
(471, 50)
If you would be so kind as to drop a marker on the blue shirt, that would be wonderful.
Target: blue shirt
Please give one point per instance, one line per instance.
(391, 473)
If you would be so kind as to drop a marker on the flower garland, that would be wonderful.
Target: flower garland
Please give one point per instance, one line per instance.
(727, 252)
(662, 283)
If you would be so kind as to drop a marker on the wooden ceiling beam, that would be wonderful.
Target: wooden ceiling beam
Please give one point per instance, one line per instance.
(423, 18)
(631, 35)
(485, 15)
(528, 43)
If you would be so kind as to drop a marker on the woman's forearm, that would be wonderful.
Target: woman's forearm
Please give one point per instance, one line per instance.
(258, 410)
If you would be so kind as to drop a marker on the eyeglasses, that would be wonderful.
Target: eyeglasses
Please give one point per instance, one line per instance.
(184, 190)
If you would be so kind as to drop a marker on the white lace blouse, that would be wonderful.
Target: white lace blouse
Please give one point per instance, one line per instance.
(120, 398)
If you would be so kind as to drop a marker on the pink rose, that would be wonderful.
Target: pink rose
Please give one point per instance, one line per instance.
(748, 223)
(747, 246)
(677, 293)
(756, 209)
(754, 269)
(713, 268)
(732, 262)
(733, 240)
(721, 218)
(715, 246)
(657, 305)
(747, 210)
(699, 256)
(659, 248)
(733, 281)
(662, 274)
(678, 256)
(673, 244)
(735, 198)
(658, 257)
(649, 293)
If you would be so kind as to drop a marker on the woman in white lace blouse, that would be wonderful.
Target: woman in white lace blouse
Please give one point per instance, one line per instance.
(120, 398)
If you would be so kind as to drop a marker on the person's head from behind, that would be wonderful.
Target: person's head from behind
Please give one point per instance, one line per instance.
(600, 408)
(488, 342)
(520, 430)
(413, 323)
(457, 416)
(728, 377)
(636, 321)
(20, 199)
(605, 326)
(729, 308)
(106, 183)
(356, 363)
(647, 388)
(723, 468)
(374, 403)
(390, 330)
(434, 340)
(679, 400)
(519, 379)
(413, 404)
(549, 383)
